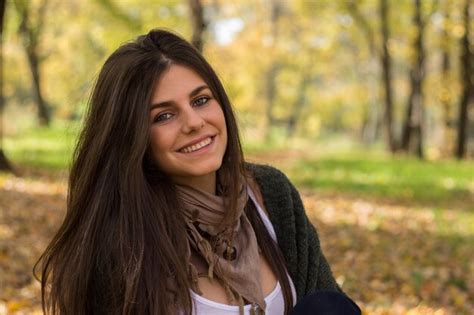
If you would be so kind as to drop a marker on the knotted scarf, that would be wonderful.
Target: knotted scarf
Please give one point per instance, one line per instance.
(230, 251)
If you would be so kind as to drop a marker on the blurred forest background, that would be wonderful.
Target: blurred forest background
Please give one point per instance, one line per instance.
(367, 105)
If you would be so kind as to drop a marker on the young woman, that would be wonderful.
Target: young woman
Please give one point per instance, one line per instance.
(163, 214)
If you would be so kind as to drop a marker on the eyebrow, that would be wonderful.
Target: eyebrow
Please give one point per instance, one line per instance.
(169, 103)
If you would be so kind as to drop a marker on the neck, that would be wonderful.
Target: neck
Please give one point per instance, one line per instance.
(205, 183)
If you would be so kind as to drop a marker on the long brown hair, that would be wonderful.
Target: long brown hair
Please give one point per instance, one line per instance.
(122, 240)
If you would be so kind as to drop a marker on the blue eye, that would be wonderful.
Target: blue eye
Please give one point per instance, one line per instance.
(162, 117)
(201, 101)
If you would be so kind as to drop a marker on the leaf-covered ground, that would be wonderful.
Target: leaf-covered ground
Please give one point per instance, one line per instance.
(31, 209)
(391, 259)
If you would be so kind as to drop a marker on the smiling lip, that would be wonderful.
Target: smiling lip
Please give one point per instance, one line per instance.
(195, 142)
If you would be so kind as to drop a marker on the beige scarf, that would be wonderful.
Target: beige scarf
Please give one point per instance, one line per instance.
(230, 252)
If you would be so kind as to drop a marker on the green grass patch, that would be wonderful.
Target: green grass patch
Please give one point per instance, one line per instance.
(401, 179)
(49, 148)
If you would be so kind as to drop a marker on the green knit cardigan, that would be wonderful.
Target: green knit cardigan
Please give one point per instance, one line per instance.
(297, 237)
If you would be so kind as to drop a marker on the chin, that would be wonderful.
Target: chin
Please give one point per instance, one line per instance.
(207, 169)
(198, 169)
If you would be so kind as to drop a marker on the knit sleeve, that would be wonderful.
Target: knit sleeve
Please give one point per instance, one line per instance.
(319, 275)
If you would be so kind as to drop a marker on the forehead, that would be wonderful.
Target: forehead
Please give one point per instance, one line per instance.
(176, 82)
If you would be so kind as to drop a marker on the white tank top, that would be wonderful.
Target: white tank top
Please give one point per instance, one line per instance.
(274, 301)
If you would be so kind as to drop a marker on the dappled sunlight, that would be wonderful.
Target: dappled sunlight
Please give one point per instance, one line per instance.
(374, 215)
(32, 186)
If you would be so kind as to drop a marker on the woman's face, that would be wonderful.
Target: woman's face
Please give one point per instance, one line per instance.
(188, 130)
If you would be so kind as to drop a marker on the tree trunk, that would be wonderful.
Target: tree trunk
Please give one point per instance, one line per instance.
(412, 138)
(43, 111)
(272, 72)
(4, 163)
(299, 105)
(30, 34)
(271, 91)
(387, 77)
(198, 22)
(372, 117)
(468, 84)
(446, 99)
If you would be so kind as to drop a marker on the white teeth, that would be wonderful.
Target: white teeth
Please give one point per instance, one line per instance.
(196, 146)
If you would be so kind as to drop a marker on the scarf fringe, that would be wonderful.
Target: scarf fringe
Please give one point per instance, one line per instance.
(208, 256)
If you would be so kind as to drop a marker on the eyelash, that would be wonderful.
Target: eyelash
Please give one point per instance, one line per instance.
(159, 118)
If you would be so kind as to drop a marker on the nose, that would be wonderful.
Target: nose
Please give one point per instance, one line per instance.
(192, 120)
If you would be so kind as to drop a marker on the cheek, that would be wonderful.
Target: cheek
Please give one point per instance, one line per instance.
(218, 117)
(160, 144)
(223, 127)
